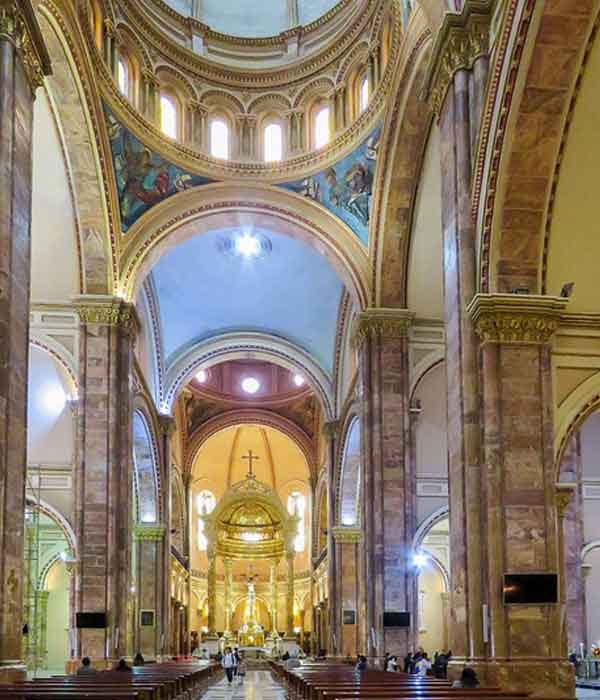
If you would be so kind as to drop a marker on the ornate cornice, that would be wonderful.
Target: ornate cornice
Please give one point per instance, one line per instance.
(461, 40)
(516, 318)
(106, 311)
(19, 26)
(347, 535)
(381, 323)
(149, 533)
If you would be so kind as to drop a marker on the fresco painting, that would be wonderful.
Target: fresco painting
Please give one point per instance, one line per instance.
(143, 177)
(346, 188)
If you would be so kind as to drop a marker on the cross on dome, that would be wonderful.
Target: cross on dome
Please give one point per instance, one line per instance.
(251, 457)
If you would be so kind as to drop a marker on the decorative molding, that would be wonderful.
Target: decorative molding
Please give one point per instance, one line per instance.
(381, 323)
(347, 535)
(96, 309)
(149, 533)
(19, 25)
(516, 318)
(461, 40)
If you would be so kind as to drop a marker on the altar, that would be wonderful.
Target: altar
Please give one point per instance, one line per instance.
(251, 634)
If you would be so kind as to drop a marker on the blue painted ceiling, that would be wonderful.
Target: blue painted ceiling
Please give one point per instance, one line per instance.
(250, 18)
(291, 292)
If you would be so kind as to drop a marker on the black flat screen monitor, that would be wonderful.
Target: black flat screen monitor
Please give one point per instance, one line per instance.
(91, 620)
(396, 619)
(530, 589)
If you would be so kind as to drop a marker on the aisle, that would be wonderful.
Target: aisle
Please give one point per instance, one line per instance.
(258, 685)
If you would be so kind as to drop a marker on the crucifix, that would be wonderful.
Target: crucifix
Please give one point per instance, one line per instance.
(251, 457)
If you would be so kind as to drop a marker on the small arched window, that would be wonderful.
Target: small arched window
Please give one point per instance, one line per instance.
(168, 116)
(205, 504)
(273, 143)
(322, 127)
(219, 139)
(297, 507)
(363, 97)
(123, 76)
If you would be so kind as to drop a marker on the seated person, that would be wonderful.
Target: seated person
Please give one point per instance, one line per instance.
(86, 667)
(468, 679)
(138, 660)
(122, 666)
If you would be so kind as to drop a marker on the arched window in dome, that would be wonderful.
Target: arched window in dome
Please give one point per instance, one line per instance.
(363, 95)
(123, 76)
(219, 139)
(168, 116)
(297, 506)
(273, 143)
(205, 504)
(322, 132)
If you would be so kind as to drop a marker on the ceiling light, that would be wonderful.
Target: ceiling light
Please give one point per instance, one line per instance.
(250, 385)
(419, 560)
(202, 376)
(299, 380)
(247, 245)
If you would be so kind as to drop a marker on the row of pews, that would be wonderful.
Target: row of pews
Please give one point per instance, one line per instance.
(332, 681)
(176, 680)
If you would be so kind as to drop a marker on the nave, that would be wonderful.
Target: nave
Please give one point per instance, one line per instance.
(258, 685)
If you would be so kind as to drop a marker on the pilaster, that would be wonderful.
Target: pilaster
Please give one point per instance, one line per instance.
(347, 542)
(330, 432)
(103, 476)
(23, 64)
(381, 339)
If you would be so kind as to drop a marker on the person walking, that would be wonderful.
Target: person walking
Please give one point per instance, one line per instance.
(228, 664)
(423, 665)
(392, 664)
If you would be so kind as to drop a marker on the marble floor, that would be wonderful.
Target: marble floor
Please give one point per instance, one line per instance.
(258, 685)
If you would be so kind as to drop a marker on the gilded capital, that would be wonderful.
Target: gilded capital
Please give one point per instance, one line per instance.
(331, 429)
(19, 25)
(144, 532)
(107, 311)
(381, 323)
(516, 318)
(166, 424)
(347, 535)
(564, 494)
(462, 38)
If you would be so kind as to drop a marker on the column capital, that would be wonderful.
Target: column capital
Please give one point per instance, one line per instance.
(103, 310)
(166, 424)
(563, 496)
(382, 323)
(19, 25)
(462, 38)
(149, 77)
(143, 532)
(516, 318)
(344, 534)
(331, 429)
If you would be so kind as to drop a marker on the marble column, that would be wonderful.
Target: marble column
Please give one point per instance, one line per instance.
(381, 338)
(295, 132)
(374, 67)
(521, 530)
(455, 88)
(571, 471)
(289, 594)
(331, 432)
(227, 583)
(23, 64)
(110, 44)
(347, 541)
(211, 583)
(148, 583)
(196, 128)
(163, 621)
(103, 472)
(246, 137)
(274, 597)
(150, 97)
(339, 107)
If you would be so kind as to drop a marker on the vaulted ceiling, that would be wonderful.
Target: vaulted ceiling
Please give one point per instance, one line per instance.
(204, 289)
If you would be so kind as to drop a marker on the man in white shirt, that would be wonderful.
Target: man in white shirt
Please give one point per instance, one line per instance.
(229, 664)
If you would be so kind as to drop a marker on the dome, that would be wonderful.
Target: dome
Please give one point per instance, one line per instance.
(248, 18)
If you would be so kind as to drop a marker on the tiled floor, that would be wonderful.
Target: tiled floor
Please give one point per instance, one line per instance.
(258, 685)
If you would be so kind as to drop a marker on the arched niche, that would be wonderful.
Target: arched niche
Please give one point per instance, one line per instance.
(145, 471)
(351, 475)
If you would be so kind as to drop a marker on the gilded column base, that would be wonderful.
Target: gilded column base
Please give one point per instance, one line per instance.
(13, 673)
(540, 677)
